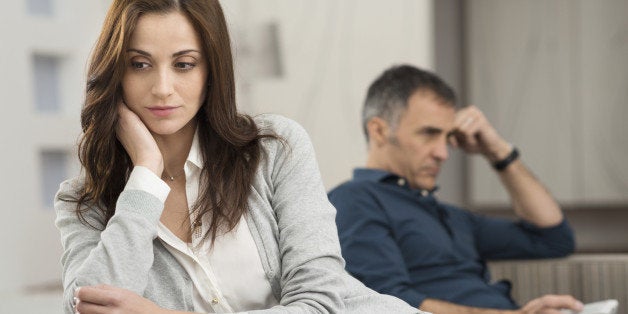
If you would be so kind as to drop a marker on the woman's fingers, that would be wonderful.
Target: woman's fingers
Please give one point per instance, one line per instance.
(93, 294)
(137, 140)
(105, 299)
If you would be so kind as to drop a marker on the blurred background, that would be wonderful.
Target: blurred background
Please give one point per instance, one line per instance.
(551, 75)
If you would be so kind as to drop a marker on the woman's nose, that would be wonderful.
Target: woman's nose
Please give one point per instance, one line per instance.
(163, 86)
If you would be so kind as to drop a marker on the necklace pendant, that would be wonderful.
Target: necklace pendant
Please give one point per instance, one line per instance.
(171, 178)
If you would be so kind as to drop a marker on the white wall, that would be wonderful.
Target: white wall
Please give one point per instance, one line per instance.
(553, 75)
(31, 242)
(332, 51)
(30, 265)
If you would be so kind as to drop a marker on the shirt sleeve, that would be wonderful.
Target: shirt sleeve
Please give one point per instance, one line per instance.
(143, 179)
(498, 238)
(118, 252)
(368, 244)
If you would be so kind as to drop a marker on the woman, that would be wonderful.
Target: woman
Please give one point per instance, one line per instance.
(184, 204)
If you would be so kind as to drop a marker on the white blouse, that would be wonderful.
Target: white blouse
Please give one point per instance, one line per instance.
(228, 276)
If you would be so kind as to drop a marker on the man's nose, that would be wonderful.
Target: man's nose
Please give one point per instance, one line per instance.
(441, 151)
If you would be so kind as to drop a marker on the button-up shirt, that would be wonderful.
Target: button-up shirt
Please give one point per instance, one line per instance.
(404, 242)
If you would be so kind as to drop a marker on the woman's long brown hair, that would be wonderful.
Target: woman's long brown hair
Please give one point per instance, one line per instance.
(229, 141)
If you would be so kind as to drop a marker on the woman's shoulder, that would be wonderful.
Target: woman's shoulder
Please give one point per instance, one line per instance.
(281, 126)
(70, 188)
(286, 138)
(286, 135)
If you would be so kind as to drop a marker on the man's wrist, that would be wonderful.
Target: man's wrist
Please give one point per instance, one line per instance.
(498, 151)
(502, 164)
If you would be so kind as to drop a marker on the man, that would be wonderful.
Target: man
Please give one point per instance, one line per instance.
(399, 239)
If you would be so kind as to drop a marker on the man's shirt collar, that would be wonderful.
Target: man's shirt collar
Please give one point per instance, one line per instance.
(378, 175)
(369, 174)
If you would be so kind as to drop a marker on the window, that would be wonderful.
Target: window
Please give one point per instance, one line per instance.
(40, 7)
(54, 169)
(47, 77)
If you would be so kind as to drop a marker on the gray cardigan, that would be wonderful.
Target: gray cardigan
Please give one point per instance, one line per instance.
(290, 219)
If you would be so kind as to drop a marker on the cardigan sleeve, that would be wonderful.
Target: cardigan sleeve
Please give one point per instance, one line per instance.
(297, 232)
(313, 279)
(311, 264)
(119, 253)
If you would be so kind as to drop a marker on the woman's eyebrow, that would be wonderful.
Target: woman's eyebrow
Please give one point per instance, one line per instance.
(176, 54)
(182, 52)
(142, 52)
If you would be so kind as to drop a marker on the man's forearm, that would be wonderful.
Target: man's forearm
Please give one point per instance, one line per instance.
(530, 200)
(437, 307)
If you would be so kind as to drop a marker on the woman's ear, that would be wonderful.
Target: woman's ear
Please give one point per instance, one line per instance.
(378, 131)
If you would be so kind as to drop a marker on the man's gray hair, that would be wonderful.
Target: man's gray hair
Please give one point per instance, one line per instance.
(388, 95)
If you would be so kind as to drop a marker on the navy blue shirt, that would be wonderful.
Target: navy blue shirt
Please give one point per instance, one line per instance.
(404, 242)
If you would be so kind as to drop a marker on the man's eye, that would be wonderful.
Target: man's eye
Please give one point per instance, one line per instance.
(431, 132)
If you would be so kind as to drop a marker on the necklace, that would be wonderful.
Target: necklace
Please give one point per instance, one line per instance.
(171, 178)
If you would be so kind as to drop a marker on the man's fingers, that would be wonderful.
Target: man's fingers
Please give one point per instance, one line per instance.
(453, 141)
(562, 302)
(469, 137)
(552, 304)
(533, 306)
(467, 124)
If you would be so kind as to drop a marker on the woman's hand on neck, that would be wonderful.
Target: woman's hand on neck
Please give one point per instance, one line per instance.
(137, 140)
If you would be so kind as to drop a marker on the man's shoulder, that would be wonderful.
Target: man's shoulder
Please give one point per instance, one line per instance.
(356, 197)
(352, 188)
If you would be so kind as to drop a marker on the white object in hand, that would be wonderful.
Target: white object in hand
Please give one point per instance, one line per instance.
(600, 307)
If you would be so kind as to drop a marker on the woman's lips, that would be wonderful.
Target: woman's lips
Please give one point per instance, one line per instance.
(162, 111)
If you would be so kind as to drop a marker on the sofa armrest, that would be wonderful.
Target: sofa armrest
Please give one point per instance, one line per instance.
(588, 277)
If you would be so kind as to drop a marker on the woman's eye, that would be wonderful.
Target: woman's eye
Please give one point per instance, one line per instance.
(139, 65)
(184, 65)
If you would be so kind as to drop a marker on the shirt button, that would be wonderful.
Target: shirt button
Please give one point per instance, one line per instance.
(214, 301)
(401, 182)
(425, 192)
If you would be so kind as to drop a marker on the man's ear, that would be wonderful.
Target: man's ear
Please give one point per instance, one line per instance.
(378, 130)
